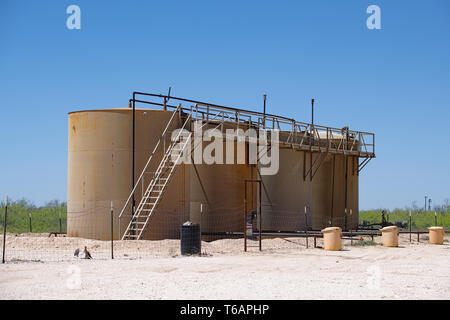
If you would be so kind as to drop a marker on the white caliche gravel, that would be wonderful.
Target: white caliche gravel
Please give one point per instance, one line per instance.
(412, 271)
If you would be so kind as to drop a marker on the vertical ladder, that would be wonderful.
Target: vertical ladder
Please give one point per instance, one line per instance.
(157, 186)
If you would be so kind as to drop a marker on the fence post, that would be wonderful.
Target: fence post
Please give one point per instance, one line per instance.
(351, 234)
(306, 227)
(112, 231)
(60, 224)
(4, 229)
(29, 216)
(410, 226)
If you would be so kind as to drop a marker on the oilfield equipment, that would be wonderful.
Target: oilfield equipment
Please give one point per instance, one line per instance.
(143, 161)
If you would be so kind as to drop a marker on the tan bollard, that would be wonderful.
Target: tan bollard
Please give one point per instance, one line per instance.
(332, 238)
(436, 235)
(389, 236)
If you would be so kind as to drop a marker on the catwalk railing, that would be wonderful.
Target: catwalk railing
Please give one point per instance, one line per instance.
(300, 135)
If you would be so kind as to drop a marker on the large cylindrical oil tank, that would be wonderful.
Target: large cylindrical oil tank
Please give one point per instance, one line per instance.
(217, 190)
(99, 171)
(329, 193)
(286, 193)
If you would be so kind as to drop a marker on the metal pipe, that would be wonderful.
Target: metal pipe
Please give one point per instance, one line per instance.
(132, 161)
(112, 231)
(265, 97)
(302, 234)
(212, 105)
(4, 229)
(260, 216)
(245, 212)
(245, 216)
(346, 182)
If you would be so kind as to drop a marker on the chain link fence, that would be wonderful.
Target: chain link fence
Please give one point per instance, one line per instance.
(40, 233)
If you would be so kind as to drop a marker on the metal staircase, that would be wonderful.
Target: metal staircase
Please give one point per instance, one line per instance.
(161, 178)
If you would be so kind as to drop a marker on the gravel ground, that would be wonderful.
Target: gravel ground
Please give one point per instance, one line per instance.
(285, 269)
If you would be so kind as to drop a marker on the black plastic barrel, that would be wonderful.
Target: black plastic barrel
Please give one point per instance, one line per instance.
(191, 239)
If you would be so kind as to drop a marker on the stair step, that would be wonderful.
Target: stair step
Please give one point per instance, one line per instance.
(157, 186)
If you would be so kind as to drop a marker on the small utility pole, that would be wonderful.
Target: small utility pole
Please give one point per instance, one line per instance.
(312, 111)
(4, 229)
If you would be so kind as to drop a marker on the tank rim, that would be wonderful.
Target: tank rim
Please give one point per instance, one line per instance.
(115, 109)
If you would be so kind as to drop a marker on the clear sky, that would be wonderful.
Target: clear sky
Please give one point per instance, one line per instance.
(394, 81)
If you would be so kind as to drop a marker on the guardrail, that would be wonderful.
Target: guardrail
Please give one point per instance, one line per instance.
(306, 136)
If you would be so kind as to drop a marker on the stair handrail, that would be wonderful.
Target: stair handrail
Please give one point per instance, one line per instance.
(149, 159)
(152, 183)
(167, 181)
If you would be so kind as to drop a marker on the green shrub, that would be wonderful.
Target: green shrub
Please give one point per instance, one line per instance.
(420, 220)
(364, 243)
(43, 219)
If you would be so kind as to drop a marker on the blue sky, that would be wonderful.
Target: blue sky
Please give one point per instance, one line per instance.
(394, 81)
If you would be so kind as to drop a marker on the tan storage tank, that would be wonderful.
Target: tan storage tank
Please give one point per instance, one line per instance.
(389, 236)
(436, 235)
(332, 238)
(329, 204)
(286, 194)
(217, 191)
(99, 171)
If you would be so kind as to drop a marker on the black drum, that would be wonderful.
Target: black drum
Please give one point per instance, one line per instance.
(191, 239)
